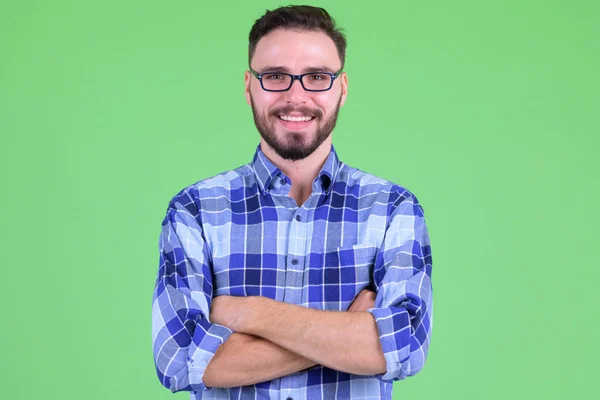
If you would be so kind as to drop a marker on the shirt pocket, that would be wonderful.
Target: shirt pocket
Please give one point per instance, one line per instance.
(356, 264)
(345, 271)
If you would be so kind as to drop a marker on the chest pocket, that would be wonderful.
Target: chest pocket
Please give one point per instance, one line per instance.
(355, 264)
(346, 271)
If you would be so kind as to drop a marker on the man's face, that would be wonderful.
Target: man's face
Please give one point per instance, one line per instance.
(295, 52)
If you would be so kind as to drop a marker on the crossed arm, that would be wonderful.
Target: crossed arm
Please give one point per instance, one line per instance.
(198, 339)
(274, 339)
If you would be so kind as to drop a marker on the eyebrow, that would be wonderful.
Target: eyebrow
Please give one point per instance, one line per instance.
(277, 68)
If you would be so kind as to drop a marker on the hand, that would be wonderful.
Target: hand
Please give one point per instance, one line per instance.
(363, 301)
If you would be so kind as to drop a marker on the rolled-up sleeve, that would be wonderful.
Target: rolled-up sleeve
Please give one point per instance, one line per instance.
(403, 306)
(184, 340)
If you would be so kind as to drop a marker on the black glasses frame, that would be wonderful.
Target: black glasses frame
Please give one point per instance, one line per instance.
(259, 76)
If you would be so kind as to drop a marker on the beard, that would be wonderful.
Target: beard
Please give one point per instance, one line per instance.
(294, 146)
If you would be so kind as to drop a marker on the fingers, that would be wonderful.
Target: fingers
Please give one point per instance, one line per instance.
(363, 301)
(367, 294)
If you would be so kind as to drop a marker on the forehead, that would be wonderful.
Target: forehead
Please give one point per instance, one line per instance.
(296, 50)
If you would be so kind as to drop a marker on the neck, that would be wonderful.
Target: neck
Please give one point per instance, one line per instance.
(301, 172)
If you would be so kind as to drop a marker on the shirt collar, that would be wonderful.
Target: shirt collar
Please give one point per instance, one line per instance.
(266, 172)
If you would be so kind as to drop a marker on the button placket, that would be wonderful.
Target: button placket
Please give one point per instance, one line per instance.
(296, 253)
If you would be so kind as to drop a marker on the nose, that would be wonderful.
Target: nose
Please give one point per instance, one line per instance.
(296, 94)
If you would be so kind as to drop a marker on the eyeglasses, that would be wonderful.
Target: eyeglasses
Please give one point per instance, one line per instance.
(281, 82)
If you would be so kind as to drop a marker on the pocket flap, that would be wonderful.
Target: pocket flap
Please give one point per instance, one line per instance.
(356, 253)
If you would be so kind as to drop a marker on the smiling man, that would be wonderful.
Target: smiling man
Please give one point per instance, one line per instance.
(294, 276)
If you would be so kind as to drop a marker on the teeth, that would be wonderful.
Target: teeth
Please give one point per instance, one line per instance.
(295, 119)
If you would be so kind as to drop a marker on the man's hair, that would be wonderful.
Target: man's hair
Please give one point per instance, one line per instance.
(297, 17)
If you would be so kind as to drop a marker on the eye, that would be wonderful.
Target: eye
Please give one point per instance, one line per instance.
(318, 77)
(274, 77)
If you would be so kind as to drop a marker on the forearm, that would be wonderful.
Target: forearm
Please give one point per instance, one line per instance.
(344, 341)
(245, 360)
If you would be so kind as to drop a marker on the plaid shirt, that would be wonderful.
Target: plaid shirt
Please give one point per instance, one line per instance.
(241, 234)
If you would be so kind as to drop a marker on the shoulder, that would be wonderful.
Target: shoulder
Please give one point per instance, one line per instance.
(220, 186)
(367, 183)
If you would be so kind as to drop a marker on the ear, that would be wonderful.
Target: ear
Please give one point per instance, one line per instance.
(247, 80)
(344, 80)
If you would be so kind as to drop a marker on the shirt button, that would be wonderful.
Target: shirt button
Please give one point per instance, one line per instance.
(294, 261)
(289, 398)
(282, 181)
(298, 218)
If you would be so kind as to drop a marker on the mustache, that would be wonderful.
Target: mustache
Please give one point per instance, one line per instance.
(290, 109)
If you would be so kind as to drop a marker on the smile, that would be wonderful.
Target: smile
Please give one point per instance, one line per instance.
(295, 119)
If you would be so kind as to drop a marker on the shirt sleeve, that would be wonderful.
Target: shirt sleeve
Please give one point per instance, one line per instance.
(403, 306)
(184, 340)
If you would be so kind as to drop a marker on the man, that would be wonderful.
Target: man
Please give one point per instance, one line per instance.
(295, 276)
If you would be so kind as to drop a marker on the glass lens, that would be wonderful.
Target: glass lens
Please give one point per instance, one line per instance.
(316, 81)
(276, 81)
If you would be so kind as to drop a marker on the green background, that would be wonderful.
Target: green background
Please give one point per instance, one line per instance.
(486, 110)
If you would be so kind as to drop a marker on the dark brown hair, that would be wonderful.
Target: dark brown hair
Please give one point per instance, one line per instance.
(297, 17)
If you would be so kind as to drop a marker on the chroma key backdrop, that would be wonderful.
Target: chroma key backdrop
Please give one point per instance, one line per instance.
(486, 110)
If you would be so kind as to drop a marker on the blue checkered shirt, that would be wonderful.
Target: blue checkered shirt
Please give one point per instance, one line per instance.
(241, 234)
